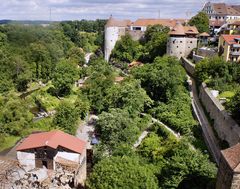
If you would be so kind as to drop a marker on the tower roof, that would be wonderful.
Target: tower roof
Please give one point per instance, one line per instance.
(232, 156)
(179, 29)
(117, 23)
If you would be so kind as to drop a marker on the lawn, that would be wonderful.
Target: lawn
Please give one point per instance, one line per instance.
(227, 94)
(9, 141)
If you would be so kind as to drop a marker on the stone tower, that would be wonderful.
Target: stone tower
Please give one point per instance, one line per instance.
(182, 40)
(228, 176)
(114, 30)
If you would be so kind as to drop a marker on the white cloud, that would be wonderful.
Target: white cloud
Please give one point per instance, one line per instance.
(92, 9)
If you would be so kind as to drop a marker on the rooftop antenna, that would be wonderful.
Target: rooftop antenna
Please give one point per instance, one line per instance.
(188, 14)
(50, 14)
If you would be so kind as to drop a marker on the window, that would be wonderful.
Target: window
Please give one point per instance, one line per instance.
(137, 28)
(177, 46)
(180, 41)
(180, 52)
(44, 163)
(190, 41)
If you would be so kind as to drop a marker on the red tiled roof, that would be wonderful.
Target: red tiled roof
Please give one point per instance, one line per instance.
(118, 79)
(179, 29)
(164, 22)
(230, 39)
(224, 9)
(53, 139)
(135, 63)
(204, 34)
(215, 23)
(232, 156)
(118, 23)
(236, 7)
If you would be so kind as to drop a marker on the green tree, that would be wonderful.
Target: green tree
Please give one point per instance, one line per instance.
(162, 78)
(122, 172)
(116, 127)
(15, 119)
(155, 42)
(76, 55)
(101, 78)
(64, 77)
(128, 95)
(187, 164)
(233, 106)
(66, 118)
(126, 49)
(82, 106)
(201, 21)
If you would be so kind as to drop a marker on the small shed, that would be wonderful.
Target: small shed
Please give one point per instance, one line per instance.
(203, 38)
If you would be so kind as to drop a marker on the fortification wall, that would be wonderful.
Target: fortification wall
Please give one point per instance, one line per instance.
(227, 128)
(189, 66)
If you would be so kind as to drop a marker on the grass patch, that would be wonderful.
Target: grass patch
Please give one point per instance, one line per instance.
(227, 94)
(44, 124)
(9, 141)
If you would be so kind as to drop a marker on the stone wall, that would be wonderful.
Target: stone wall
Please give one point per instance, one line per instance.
(180, 46)
(224, 175)
(197, 58)
(189, 66)
(227, 129)
(136, 34)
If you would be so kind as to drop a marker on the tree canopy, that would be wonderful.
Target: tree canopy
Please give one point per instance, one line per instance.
(64, 77)
(201, 21)
(122, 172)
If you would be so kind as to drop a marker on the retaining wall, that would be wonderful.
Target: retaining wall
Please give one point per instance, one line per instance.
(226, 128)
(188, 65)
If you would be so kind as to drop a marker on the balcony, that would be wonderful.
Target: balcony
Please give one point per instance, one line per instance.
(236, 45)
(235, 53)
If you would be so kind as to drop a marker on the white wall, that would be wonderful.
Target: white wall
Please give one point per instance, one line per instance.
(26, 160)
(111, 37)
(69, 156)
(180, 46)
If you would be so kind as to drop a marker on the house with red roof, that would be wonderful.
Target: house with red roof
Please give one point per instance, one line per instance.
(229, 47)
(53, 150)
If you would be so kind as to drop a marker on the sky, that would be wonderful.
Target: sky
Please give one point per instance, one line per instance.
(102, 9)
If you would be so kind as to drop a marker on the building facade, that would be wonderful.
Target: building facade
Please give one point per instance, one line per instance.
(232, 28)
(182, 40)
(221, 13)
(115, 29)
(229, 47)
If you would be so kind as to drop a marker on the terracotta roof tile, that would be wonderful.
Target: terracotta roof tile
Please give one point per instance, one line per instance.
(53, 139)
(230, 39)
(179, 29)
(224, 9)
(204, 34)
(236, 7)
(118, 23)
(164, 22)
(232, 156)
(216, 23)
